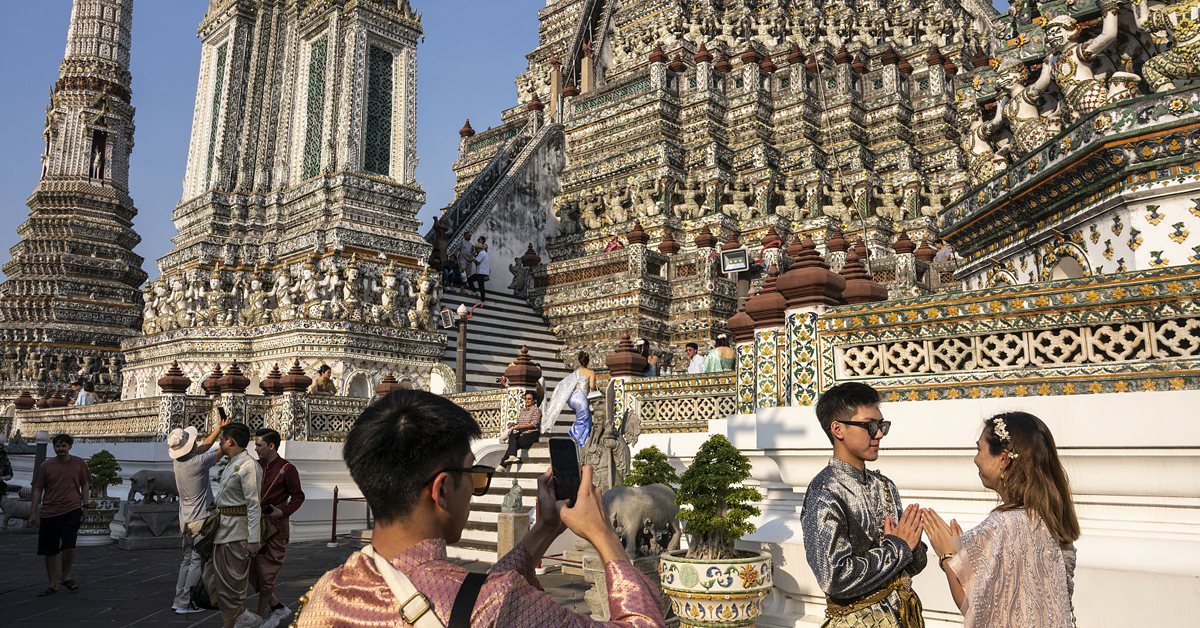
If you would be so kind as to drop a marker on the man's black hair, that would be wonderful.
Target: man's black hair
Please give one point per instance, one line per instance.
(399, 442)
(66, 438)
(89, 387)
(269, 436)
(842, 401)
(238, 432)
(324, 368)
(692, 345)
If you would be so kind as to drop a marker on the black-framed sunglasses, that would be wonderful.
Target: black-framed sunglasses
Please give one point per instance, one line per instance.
(872, 427)
(481, 477)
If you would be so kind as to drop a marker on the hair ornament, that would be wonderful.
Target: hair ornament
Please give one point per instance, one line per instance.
(722, 336)
(1001, 431)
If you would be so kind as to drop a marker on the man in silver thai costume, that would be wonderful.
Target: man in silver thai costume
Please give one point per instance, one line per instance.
(862, 545)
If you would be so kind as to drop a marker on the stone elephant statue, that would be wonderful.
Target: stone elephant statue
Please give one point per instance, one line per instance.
(14, 509)
(646, 517)
(153, 485)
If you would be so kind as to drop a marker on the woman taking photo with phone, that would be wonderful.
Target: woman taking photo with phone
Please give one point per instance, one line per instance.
(1017, 567)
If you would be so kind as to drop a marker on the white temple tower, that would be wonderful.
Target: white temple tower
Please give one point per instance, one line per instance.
(72, 290)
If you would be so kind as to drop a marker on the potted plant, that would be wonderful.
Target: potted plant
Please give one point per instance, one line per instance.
(650, 466)
(105, 471)
(711, 583)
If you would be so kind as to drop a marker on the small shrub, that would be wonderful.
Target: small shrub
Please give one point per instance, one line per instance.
(105, 473)
(714, 504)
(650, 466)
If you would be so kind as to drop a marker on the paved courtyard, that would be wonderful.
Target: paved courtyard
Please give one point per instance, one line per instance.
(135, 588)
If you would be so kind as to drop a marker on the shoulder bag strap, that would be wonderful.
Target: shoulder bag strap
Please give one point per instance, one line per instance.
(415, 608)
(464, 602)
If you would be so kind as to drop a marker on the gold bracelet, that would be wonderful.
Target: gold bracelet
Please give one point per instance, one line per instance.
(943, 559)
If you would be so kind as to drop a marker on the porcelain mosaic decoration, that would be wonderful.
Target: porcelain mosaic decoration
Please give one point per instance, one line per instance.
(712, 593)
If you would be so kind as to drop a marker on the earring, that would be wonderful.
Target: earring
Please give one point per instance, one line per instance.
(1001, 476)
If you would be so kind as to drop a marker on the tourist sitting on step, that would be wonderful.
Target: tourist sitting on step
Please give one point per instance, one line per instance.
(525, 433)
(410, 453)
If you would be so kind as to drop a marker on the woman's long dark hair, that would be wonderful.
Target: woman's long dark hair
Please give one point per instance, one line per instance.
(1035, 481)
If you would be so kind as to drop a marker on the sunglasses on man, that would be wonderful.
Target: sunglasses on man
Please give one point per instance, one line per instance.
(481, 477)
(873, 427)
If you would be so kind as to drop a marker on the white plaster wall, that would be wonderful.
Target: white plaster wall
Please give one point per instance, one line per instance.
(1134, 464)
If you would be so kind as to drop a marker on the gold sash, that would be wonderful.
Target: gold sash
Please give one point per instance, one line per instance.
(861, 612)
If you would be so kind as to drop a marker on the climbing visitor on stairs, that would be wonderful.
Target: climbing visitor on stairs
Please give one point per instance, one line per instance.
(482, 270)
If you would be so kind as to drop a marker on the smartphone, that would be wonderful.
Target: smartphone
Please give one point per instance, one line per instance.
(564, 459)
(221, 413)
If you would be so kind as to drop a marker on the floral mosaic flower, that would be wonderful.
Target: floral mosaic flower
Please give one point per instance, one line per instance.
(1177, 106)
(1064, 145)
(749, 577)
(1033, 165)
(1102, 123)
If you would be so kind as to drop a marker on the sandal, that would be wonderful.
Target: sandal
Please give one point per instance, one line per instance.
(48, 591)
(70, 584)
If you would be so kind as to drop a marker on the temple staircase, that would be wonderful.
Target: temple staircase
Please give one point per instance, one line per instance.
(495, 334)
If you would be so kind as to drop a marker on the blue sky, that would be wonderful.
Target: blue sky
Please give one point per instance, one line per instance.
(472, 52)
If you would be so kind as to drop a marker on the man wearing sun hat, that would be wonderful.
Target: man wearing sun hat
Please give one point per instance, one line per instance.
(193, 459)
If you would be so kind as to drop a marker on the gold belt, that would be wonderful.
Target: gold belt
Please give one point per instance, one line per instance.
(231, 511)
(910, 604)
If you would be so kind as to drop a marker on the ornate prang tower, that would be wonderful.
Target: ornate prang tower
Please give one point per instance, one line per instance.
(297, 231)
(72, 291)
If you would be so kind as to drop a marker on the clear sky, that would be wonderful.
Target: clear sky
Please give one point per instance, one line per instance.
(472, 52)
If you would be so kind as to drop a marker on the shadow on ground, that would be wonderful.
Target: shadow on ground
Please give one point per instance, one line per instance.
(135, 588)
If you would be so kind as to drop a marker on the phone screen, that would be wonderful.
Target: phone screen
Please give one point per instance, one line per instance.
(221, 411)
(564, 459)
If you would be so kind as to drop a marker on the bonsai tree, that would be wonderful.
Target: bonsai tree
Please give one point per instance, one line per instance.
(105, 473)
(650, 466)
(714, 504)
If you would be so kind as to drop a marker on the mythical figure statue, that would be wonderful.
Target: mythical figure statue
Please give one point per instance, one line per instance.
(1029, 127)
(615, 211)
(150, 312)
(254, 300)
(1082, 90)
(350, 301)
(608, 446)
(1182, 61)
(393, 300)
(983, 159)
(113, 375)
(285, 308)
(593, 210)
(837, 206)
(646, 203)
(309, 289)
(512, 499)
(570, 220)
(887, 207)
(693, 201)
(177, 308)
(793, 201)
(741, 205)
(520, 275)
(936, 197)
(427, 303)
(217, 310)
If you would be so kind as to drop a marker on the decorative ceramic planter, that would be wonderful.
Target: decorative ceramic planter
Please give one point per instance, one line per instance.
(716, 593)
(95, 527)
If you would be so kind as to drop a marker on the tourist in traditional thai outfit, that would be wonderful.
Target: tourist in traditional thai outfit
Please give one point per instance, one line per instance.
(192, 461)
(861, 543)
(573, 391)
(323, 385)
(526, 432)
(410, 453)
(238, 536)
(1017, 568)
(721, 357)
(281, 497)
(695, 360)
(60, 501)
